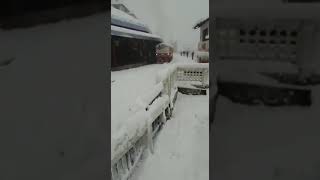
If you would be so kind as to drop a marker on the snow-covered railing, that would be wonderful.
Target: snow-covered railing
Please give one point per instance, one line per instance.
(193, 73)
(156, 106)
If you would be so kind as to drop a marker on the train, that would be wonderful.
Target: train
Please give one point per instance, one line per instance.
(164, 53)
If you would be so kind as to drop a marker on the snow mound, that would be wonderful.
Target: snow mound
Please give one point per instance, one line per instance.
(136, 126)
(147, 107)
(255, 66)
(126, 136)
(165, 44)
(122, 16)
(157, 107)
(182, 148)
(147, 99)
(165, 73)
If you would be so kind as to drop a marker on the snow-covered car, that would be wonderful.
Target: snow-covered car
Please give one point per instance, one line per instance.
(202, 56)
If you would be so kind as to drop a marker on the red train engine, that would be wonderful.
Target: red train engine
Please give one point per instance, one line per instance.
(164, 53)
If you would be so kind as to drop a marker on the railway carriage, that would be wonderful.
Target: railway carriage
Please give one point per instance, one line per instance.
(164, 53)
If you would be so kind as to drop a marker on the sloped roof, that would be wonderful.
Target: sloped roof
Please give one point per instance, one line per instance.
(129, 33)
(200, 23)
(122, 19)
(166, 44)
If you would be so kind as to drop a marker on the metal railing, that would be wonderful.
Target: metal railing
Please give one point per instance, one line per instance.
(158, 105)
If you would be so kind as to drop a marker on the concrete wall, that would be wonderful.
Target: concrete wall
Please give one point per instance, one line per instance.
(53, 101)
(259, 10)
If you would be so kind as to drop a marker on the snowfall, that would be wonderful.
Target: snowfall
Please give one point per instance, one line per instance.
(176, 153)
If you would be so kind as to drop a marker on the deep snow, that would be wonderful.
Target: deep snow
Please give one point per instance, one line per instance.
(249, 71)
(128, 85)
(132, 90)
(53, 99)
(259, 142)
(182, 146)
(117, 14)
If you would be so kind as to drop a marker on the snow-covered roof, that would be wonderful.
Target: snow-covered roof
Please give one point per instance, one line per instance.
(165, 44)
(123, 32)
(122, 7)
(200, 22)
(202, 54)
(122, 19)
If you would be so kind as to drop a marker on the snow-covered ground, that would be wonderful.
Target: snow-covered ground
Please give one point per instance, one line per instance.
(249, 71)
(120, 15)
(255, 66)
(53, 100)
(182, 146)
(258, 142)
(128, 85)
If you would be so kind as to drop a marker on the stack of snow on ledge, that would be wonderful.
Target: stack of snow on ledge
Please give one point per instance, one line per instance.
(122, 16)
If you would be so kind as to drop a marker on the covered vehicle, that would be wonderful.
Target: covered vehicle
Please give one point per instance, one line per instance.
(164, 53)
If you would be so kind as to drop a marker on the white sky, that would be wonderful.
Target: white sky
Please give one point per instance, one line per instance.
(172, 19)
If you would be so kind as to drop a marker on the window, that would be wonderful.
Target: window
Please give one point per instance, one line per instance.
(205, 34)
